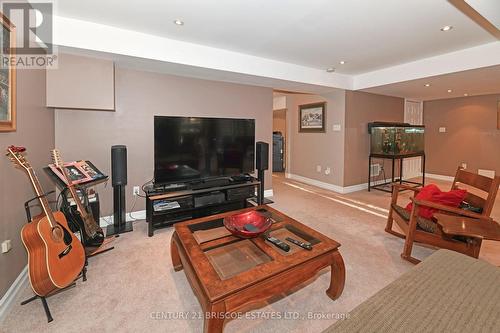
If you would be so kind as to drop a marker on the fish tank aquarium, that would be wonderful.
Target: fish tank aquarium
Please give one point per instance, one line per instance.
(396, 139)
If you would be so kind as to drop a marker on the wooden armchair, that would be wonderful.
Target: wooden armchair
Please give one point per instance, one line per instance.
(422, 230)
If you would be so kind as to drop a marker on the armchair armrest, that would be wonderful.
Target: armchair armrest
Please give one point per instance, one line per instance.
(396, 188)
(449, 209)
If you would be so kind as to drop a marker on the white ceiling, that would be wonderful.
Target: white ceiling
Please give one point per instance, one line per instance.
(479, 81)
(368, 34)
(489, 9)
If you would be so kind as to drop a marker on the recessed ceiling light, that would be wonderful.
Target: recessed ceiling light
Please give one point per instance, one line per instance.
(446, 28)
(178, 22)
(342, 62)
(427, 84)
(449, 90)
(330, 69)
(466, 94)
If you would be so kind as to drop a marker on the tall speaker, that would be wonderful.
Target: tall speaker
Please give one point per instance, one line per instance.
(262, 164)
(119, 182)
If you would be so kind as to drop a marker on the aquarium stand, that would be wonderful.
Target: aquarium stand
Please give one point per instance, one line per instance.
(399, 158)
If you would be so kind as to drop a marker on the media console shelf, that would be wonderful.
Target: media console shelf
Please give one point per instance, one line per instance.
(166, 208)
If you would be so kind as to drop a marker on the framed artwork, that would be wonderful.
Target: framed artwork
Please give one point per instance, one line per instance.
(7, 78)
(312, 117)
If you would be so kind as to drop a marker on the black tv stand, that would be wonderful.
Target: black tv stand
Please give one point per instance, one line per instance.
(209, 182)
(196, 199)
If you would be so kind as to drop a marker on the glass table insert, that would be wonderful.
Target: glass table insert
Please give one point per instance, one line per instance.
(230, 255)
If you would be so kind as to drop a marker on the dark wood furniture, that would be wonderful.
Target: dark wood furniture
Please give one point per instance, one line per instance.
(229, 274)
(188, 203)
(468, 227)
(400, 179)
(421, 230)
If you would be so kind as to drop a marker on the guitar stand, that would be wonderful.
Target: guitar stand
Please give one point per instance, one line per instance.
(44, 301)
(83, 273)
(102, 250)
(107, 240)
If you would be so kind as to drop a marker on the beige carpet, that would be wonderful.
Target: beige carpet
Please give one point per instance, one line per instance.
(131, 287)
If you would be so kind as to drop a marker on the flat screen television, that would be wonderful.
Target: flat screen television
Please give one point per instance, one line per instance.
(188, 148)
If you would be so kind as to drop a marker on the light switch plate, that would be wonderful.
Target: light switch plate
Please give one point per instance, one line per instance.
(337, 127)
(442, 129)
(318, 168)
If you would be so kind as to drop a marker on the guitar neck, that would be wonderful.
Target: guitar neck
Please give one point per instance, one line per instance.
(41, 197)
(79, 205)
(90, 226)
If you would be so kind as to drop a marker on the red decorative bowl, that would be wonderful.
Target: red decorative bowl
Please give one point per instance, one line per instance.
(255, 223)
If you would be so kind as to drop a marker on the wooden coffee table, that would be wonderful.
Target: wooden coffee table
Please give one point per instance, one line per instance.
(229, 274)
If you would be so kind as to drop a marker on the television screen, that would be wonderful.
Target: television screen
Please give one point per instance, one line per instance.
(189, 148)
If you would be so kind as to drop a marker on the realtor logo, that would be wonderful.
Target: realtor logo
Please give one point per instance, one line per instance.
(32, 47)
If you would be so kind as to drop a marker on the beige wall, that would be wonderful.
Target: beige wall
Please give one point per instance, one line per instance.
(140, 96)
(471, 134)
(35, 131)
(307, 150)
(81, 82)
(362, 108)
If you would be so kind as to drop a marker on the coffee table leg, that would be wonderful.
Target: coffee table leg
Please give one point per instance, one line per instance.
(174, 253)
(337, 278)
(214, 320)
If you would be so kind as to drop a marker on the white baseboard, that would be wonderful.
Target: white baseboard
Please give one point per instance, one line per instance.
(439, 177)
(328, 186)
(314, 182)
(137, 215)
(7, 301)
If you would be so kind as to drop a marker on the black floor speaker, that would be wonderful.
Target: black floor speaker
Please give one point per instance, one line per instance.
(119, 183)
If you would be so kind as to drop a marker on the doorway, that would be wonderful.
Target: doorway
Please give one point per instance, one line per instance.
(279, 140)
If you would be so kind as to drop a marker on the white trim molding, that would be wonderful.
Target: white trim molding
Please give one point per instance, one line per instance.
(130, 216)
(314, 182)
(7, 301)
(439, 177)
(328, 186)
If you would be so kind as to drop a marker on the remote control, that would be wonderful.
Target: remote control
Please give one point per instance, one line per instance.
(303, 245)
(282, 245)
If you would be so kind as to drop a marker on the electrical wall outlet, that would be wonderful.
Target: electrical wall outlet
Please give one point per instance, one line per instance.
(6, 246)
(318, 168)
(337, 127)
(327, 171)
(442, 129)
(464, 165)
(136, 190)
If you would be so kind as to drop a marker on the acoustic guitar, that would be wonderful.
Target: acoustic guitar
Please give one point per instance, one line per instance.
(92, 234)
(55, 256)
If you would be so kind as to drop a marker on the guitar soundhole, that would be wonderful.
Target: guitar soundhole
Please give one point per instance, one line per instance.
(60, 233)
(57, 233)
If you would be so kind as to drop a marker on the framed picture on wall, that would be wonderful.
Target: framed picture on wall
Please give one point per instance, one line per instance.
(312, 117)
(7, 78)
